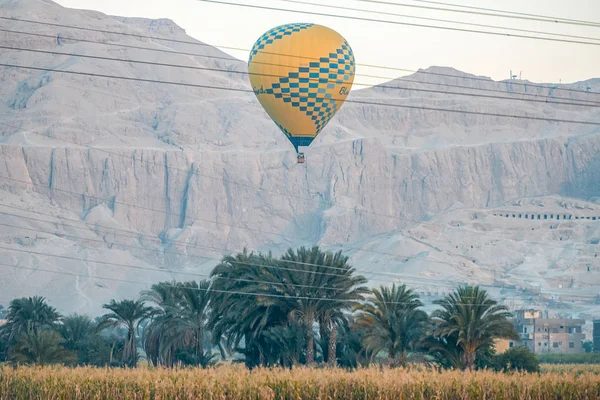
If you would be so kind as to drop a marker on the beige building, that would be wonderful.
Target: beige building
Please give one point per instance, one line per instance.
(549, 335)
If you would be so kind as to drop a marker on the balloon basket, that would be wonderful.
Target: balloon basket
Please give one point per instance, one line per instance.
(301, 158)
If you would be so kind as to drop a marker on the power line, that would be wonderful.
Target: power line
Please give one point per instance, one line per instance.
(553, 19)
(280, 76)
(177, 287)
(210, 248)
(438, 20)
(183, 272)
(528, 17)
(54, 37)
(363, 102)
(282, 235)
(215, 249)
(397, 22)
(208, 221)
(213, 278)
(174, 286)
(220, 179)
(153, 209)
(408, 277)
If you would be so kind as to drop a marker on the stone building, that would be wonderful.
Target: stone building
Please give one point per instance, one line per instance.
(549, 335)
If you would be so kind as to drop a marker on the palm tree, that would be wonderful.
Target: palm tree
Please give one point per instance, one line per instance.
(179, 323)
(471, 319)
(127, 314)
(165, 297)
(41, 347)
(242, 307)
(254, 294)
(31, 313)
(342, 291)
(392, 322)
(75, 330)
(81, 336)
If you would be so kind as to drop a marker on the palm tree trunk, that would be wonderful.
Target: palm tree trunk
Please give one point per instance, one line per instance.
(469, 357)
(332, 348)
(199, 342)
(324, 334)
(112, 349)
(310, 340)
(131, 348)
(403, 357)
(393, 359)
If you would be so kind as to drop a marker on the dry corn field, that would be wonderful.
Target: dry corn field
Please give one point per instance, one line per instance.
(238, 383)
(571, 368)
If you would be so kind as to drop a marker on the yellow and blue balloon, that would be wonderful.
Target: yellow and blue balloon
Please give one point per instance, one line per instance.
(301, 74)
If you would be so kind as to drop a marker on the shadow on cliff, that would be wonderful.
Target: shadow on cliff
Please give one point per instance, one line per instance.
(586, 183)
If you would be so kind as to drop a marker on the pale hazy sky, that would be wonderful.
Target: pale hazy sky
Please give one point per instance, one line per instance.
(395, 45)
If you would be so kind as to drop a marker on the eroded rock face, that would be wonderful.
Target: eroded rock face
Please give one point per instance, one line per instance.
(171, 177)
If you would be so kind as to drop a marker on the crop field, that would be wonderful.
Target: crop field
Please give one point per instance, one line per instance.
(231, 382)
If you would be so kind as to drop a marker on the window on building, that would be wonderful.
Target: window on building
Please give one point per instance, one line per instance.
(562, 327)
(524, 329)
(510, 344)
(570, 330)
(555, 345)
(554, 330)
(571, 345)
(539, 344)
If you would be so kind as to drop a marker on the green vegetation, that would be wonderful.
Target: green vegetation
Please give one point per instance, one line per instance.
(583, 358)
(307, 307)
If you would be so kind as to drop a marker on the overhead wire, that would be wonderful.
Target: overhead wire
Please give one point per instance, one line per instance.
(217, 178)
(214, 249)
(526, 17)
(420, 281)
(285, 236)
(136, 235)
(436, 19)
(212, 278)
(197, 43)
(550, 18)
(381, 86)
(365, 19)
(362, 102)
(199, 289)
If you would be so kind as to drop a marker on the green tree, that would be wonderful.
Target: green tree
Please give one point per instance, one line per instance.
(41, 347)
(258, 300)
(242, 310)
(31, 313)
(81, 336)
(177, 330)
(518, 358)
(473, 320)
(127, 314)
(343, 289)
(588, 346)
(320, 287)
(392, 322)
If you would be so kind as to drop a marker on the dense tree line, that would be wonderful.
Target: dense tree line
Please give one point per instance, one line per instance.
(307, 307)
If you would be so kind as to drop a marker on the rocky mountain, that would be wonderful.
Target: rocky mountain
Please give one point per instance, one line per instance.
(115, 183)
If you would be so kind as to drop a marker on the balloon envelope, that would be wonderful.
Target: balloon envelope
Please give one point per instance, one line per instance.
(301, 74)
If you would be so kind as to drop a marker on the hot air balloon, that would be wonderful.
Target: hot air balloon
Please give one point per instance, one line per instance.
(301, 74)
